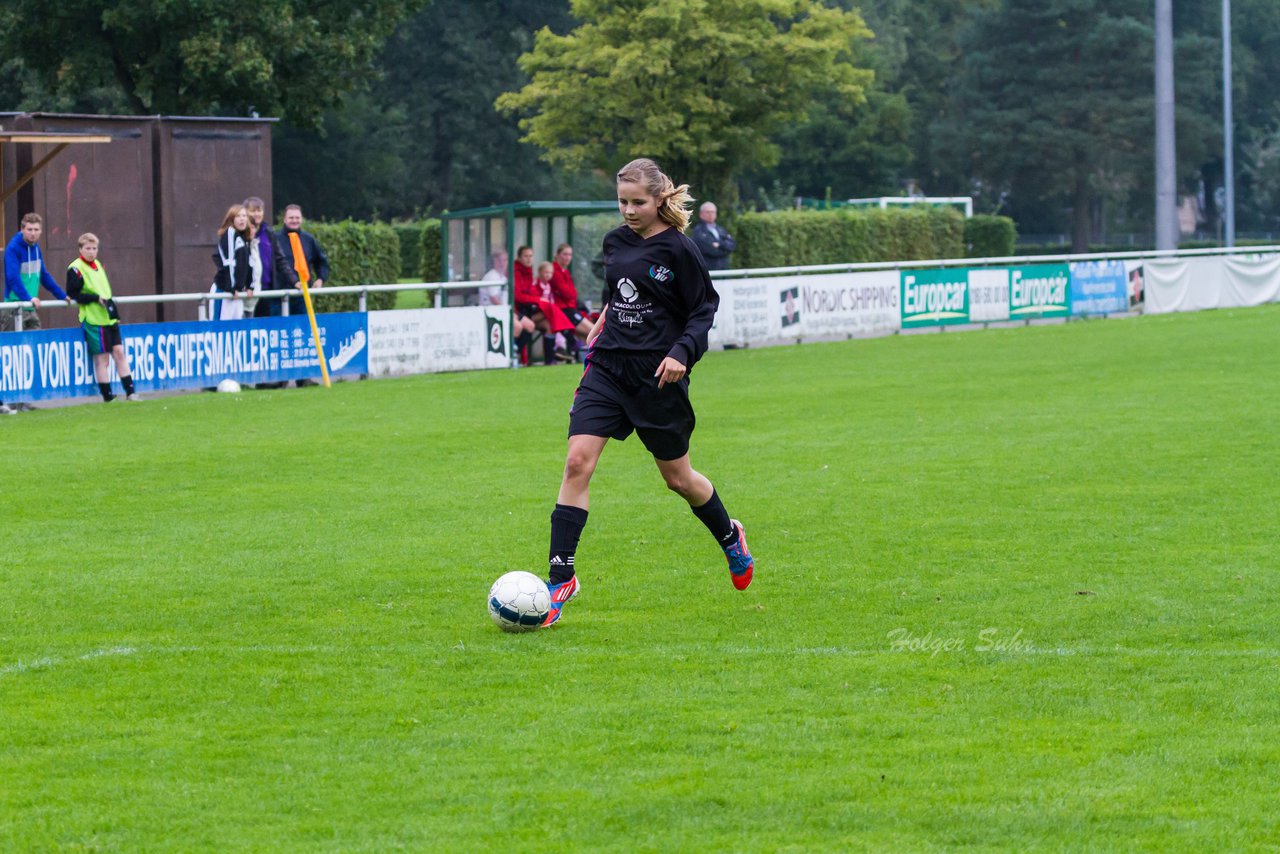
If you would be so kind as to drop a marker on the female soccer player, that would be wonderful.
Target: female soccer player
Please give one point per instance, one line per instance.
(651, 331)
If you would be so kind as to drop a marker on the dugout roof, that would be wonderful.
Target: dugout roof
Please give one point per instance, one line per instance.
(468, 236)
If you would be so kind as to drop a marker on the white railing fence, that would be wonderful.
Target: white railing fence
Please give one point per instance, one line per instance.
(205, 298)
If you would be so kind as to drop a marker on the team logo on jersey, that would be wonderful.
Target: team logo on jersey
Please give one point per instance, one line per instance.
(660, 274)
(627, 289)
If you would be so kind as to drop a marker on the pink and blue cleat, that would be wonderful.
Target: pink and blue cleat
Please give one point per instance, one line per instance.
(560, 593)
(741, 565)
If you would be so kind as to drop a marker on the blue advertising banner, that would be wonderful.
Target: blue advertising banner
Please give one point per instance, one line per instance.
(55, 363)
(1098, 287)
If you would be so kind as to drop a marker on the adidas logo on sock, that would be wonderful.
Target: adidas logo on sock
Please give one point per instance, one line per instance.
(556, 561)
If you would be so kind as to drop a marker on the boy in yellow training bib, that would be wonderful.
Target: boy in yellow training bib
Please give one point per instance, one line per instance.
(87, 284)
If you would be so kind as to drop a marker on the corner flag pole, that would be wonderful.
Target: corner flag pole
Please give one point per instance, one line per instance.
(315, 332)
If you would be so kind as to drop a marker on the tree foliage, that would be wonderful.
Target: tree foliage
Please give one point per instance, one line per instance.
(701, 85)
(426, 137)
(199, 57)
(1040, 109)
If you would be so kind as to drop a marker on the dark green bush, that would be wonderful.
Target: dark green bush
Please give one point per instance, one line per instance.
(846, 236)
(360, 253)
(429, 266)
(410, 235)
(990, 236)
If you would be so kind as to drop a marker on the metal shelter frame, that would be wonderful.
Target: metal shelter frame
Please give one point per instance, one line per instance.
(522, 223)
(59, 141)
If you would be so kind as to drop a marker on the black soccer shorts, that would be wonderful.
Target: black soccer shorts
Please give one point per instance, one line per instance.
(619, 394)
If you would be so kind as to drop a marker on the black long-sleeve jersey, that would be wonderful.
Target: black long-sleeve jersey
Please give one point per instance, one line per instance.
(660, 297)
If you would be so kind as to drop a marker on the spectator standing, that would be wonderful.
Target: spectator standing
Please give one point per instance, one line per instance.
(303, 254)
(25, 273)
(496, 294)
(713, 242)
(87, 284)
(308, 260)
(277, 273)
(235, 269)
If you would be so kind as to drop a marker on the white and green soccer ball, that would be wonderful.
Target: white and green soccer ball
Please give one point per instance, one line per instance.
(519, 601)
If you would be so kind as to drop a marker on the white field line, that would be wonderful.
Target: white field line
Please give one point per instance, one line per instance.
(47, 662)
(53, 661)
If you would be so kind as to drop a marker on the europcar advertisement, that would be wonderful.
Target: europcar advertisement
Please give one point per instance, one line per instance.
(1043, 290)
(932, 297)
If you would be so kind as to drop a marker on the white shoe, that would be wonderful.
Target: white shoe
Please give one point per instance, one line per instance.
(5, 410)
(135, 396)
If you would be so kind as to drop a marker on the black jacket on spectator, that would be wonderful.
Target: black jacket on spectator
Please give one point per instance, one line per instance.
(705, 236)
(232, 259)
(317, 261)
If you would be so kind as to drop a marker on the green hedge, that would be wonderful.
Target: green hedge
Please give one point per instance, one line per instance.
(786, 238)
(990, 236)
(429, 267)
(360, 253)
(410, 235)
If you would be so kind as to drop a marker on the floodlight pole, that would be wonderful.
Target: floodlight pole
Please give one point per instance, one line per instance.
(1166, 157)
(1228, 130)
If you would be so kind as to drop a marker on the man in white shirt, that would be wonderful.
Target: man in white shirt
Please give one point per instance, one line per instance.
(496, 294)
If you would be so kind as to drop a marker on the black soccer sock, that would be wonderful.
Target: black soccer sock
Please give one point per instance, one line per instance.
(567, 523)
(716, 518)
(127, 382)
(523, 340)
(549, 347)
(105, 390)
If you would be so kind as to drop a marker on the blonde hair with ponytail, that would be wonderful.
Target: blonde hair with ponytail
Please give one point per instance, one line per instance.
(673, 201)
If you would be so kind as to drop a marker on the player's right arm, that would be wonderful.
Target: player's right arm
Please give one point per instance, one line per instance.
(599, 325)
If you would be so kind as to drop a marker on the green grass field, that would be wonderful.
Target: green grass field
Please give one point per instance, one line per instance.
(1015, 590)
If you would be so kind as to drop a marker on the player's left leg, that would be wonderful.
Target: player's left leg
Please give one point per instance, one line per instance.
(693, 487)
(122, 370)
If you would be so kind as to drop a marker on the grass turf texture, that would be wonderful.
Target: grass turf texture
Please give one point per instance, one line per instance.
(258, 621)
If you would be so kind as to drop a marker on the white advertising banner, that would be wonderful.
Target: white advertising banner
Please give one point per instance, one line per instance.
(791, 308)
(988, 294)
(431, 340)
(1193, 284)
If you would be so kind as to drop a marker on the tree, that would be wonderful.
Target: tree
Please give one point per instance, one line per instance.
(915, 55)
(700, 85)
(862, 156)
(203, 56)
(1056, 106)
(426, 137)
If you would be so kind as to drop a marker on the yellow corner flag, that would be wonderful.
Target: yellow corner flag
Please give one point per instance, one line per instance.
(315, 332)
